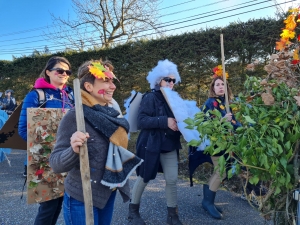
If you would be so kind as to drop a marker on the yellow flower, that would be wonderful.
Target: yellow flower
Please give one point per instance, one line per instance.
(287, 34)
(222, 107)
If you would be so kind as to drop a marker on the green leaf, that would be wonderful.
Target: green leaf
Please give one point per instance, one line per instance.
(49, 138)
(32, 184)
(273, 169)
(283, 162)
(249, 120)
(216, 112)
(189, 121)
(254, 180)
(194, 143)
(287, 145)
(221, 163)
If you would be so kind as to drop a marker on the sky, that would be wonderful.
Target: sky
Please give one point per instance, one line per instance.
(24, 23)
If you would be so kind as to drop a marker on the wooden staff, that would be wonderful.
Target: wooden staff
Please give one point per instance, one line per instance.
(224, 75)
(84, 157)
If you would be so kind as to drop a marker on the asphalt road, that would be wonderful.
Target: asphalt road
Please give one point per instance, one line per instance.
(13, 210)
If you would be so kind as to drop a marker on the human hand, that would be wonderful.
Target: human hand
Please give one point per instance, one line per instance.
(172, 124)
(228, 117)
(77, 140)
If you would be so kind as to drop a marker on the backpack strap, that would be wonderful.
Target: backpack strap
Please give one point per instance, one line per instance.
(71, 97)
(41, 96)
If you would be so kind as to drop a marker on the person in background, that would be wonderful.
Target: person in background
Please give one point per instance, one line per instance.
(9, 102)
(158, 143)
(216, 101)
(103, 127)
(52, 81)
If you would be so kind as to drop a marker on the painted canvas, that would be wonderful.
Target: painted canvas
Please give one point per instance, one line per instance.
(42, 183)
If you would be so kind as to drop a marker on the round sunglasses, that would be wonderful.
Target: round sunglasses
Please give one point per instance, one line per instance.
(61, 71)
(169, 79)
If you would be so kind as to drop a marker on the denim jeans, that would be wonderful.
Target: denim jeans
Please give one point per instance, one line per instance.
(49, 212)
(74, 211)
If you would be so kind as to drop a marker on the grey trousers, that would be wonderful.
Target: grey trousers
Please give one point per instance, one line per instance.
(215, 179)
(169, 162)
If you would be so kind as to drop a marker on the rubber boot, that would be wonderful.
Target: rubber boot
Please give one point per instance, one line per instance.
(205, 188)
(173, 218)
(208, 204)
(134, 215)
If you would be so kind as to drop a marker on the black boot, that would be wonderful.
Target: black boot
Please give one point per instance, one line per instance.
(173, 218)
(205, 188)
(208, 204)
(134, 215)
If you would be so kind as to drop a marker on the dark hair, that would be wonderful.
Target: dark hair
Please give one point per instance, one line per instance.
(211, 92)
(51, 63)
(84, 74)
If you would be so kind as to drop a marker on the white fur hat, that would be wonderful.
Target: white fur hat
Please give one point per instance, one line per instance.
(163, 69)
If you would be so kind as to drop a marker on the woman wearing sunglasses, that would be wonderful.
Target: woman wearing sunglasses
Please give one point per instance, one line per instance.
(158, 142)
(52, 81)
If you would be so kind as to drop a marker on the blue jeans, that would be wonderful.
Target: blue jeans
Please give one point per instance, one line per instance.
(74, 212)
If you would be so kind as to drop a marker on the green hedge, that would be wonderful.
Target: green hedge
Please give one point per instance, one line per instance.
(195, 53)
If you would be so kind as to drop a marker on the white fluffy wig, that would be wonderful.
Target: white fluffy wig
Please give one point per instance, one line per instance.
(163, 69)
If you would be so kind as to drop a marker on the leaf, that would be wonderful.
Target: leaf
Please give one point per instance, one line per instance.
(254, 180)
(32, 184)
(283, 162)
(277, 191)
(287, 145)
(267, 98)
(194, 143)
(249, 120)
(222, 162)
(189, 121)
(49, 138)
(216, 112)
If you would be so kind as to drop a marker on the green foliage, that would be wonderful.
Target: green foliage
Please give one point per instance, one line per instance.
(265, 145)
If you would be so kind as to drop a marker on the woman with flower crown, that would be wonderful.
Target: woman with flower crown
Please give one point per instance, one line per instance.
(216, 101)
(106, 138)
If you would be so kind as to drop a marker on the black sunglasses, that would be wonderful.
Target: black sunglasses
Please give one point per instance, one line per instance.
(169, 79)
(61, 71)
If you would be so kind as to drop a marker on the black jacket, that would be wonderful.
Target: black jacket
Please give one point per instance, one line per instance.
(153, 122)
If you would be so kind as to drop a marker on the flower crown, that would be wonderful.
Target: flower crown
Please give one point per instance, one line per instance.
(218, 72)
(99, 71)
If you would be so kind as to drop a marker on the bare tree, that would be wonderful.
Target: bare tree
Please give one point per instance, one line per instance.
(103, 23)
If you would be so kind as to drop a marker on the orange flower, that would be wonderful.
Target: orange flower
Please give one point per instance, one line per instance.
(218, 72)
(290, 22)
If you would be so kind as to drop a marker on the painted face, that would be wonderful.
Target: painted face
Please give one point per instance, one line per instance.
(219, 87)
(102, 90)
(168, 81)
(57, 77)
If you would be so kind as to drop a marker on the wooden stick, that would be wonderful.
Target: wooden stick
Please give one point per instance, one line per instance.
(224, 75)
(84, 157)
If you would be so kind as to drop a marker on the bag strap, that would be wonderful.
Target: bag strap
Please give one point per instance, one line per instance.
(41, 96)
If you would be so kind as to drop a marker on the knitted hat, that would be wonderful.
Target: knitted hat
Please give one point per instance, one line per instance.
(163, 69)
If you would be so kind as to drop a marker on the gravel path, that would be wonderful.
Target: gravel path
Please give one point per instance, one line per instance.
(13, 210)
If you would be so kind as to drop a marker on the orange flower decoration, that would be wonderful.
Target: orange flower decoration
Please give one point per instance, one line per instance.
(98, 71)
(290, 22)
(218, 72)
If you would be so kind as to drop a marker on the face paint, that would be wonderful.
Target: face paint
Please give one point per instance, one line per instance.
(101, 92)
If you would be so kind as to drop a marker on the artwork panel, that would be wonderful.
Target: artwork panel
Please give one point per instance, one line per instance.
(42, 183)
